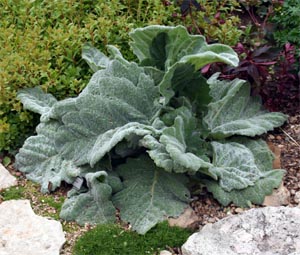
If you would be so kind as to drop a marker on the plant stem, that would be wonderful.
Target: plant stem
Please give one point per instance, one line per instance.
(139, 10)
(194, 22)
(291, 138)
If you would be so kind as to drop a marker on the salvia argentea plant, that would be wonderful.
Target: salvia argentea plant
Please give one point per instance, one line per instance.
(136, 136)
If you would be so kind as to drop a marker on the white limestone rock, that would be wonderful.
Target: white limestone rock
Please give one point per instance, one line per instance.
(23, 232)
(165, 253)
(263, 231)
(6, 179)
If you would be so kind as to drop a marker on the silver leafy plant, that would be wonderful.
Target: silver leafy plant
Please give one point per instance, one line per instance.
(139, 132)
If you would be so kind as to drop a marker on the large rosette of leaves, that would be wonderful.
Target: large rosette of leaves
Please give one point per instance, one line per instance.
(140, 131)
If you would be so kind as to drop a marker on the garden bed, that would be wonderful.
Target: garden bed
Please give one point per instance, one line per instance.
(287, 139)
(159, 125)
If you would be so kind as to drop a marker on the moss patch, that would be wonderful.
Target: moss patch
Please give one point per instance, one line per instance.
(113, 240)
(12, 193)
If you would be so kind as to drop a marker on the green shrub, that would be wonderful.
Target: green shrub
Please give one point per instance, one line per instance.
(113, 240)
(41, 44)
(287, 19)
(140, 132)
(216, 20)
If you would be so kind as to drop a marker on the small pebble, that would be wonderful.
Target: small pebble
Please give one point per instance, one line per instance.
(165, 253)
(297, 197)
(211, 220)
(293, 119)
(239, 210)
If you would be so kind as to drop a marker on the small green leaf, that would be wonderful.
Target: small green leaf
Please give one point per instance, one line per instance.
(184, 145)
(6, 161)
(263, 156)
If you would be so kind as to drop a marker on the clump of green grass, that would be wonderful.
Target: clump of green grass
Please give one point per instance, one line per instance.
(12, 193)
(113, 240)
(57, 204)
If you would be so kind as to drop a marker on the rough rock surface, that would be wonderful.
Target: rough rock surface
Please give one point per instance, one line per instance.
(6, 179)
(188, 219)
(262, 231)
(23, 232)
(297, 197)
(280, 196)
